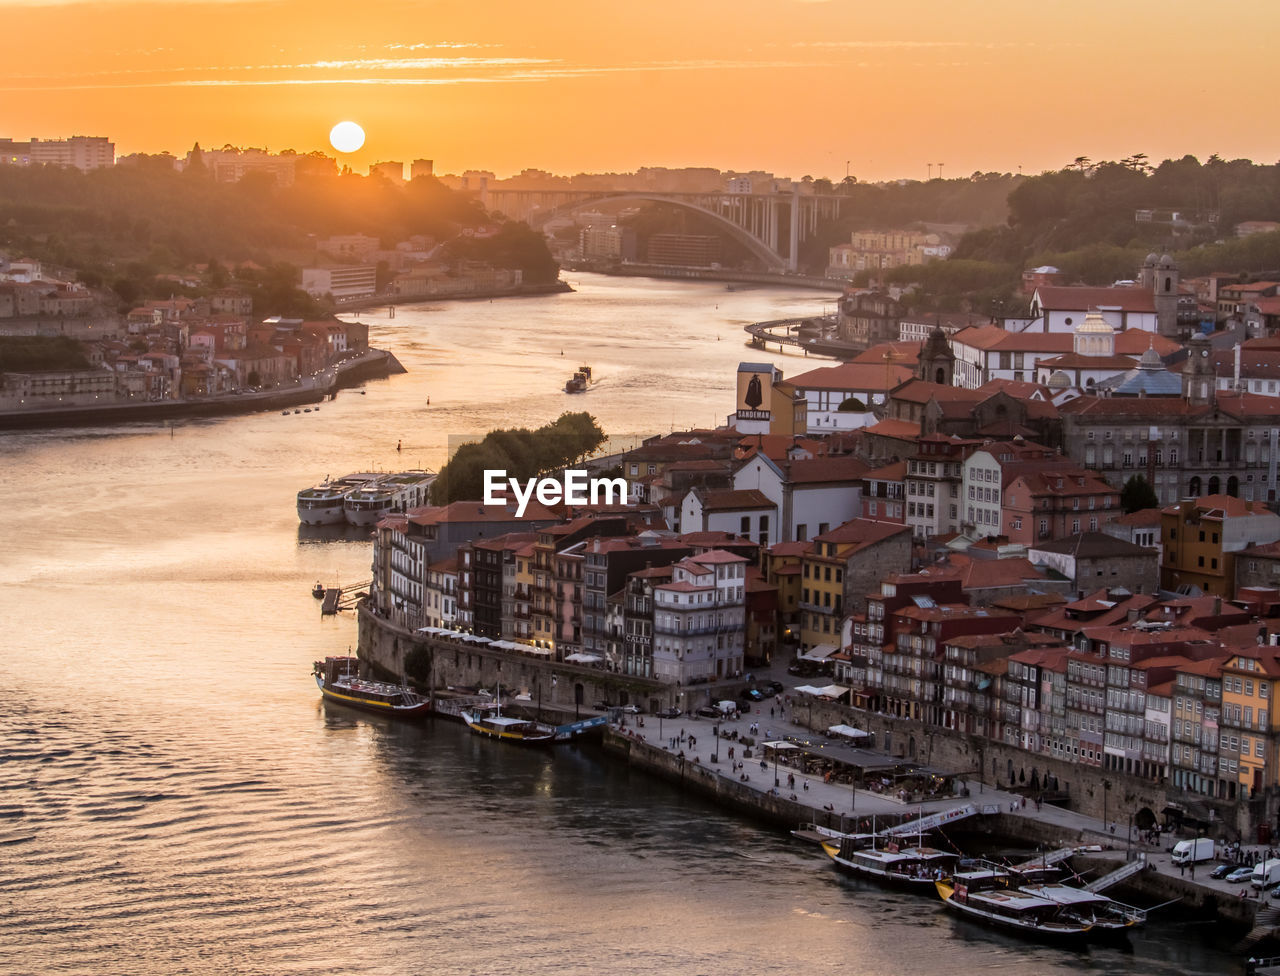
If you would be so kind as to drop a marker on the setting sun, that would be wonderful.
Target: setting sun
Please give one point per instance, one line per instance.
(346, 137)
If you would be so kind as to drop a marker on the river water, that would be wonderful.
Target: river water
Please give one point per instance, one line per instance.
(175, 798)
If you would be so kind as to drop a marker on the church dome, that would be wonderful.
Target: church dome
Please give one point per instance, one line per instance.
(1166, 261)
(1095, 323)
(1059, 381)
(1151, 359)
(1151, 258)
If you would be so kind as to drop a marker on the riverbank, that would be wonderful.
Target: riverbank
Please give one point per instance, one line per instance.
(718, 274)
(388, 301)
(373, 364)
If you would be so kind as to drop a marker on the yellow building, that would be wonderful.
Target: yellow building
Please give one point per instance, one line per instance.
(1246, 740)
(782, 568)
(1200, 537)
(822, 593)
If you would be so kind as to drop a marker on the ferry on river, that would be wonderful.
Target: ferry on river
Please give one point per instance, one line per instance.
(387, 493)
(339, 681)
(580, 380)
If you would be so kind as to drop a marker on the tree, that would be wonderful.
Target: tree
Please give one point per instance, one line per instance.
(1137, 494)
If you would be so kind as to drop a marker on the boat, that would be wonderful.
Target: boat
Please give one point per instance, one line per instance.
(495, 725)
(982, 897)
(580, 380)
(339, 681)
(1106, 914)
(322, 504)
(904, 867)
(387, 493)
(317, 591)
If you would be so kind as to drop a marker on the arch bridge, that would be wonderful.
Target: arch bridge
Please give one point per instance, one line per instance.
(755, 220)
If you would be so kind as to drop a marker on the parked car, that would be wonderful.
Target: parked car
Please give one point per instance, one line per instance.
(751, 695)
(706, 711)
(777, 687)
(629, 709)
(1221, 871)
(1239, 875)
(669, 713)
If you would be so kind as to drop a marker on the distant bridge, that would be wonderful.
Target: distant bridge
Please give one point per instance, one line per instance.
(752, 219)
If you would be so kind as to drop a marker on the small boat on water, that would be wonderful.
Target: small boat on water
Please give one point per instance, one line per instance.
(981, 896)
(904, 867)
(317, 591)
(495, 725)
(580, 380)
(339, 681)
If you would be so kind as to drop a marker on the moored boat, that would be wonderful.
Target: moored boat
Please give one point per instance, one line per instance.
(1013, 910)
(339, 681)
(1106, 914)
(509, 729)
(907, 867)
(322, 504)
(388, 493)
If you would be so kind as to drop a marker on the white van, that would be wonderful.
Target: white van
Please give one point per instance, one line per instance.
(1265, 873)
(1193, 851)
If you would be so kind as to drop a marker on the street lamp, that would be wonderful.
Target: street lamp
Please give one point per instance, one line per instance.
(1106, 788)
(775, 766)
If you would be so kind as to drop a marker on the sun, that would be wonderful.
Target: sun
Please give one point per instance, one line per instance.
(346, 137)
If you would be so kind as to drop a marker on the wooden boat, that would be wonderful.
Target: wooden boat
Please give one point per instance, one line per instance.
(317, 591)
(339, 681)
(1106, 914)
(905, 867)
(519, 730)
(1010, 909)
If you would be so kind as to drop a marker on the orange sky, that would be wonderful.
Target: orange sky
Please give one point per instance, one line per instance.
(792, 86)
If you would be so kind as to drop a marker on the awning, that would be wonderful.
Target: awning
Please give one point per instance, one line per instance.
(827, 691)
(819, 653)
(780, 745)
(583, 658)
(848, 731)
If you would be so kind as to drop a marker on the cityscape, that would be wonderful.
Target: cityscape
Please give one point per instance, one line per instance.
(698, 493)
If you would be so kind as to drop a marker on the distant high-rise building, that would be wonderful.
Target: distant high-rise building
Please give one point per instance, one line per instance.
(688, 250)
(421, 167)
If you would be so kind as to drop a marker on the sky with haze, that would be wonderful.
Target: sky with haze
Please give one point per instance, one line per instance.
(796, 87)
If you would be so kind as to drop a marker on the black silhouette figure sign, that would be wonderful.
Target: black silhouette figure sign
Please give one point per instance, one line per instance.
(754, 398)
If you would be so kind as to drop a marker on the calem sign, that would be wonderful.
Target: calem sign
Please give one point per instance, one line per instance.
(574, 487)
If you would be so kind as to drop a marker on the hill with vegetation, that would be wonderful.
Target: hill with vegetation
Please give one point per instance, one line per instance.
(123, 226)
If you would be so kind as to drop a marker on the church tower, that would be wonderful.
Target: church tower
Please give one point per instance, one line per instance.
(1165, 291)
(937, 361)
(1198, 378)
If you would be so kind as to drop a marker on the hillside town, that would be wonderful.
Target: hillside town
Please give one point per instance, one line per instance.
(1059, 538)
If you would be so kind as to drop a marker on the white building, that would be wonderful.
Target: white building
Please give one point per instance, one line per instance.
(699, 619)
(811, 495)
(354, 281)
(749, 514)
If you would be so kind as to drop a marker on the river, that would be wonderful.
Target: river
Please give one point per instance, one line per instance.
(175, 798)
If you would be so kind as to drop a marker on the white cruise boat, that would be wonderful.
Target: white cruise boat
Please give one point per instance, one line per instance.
(322, 504)
(906, 867)
(389, 493)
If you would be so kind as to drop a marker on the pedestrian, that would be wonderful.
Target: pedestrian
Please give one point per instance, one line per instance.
(1024, 806)
(771, 711)
(1182, 870)
(806, 786)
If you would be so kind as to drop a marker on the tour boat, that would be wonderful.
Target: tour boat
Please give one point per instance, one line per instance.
(907, 867)
(322, 504)
(1106, 914)
(388, 493)
(495, 725)
(317, 591)
(1012, 909)
(338, 680)
(579, 381)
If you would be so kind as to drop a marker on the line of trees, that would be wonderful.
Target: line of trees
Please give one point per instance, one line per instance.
(521, 452)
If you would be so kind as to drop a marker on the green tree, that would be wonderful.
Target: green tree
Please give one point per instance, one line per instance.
(1137, 494)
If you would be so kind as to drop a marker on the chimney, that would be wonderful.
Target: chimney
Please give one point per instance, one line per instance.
(1236, 374)
(1217, 601)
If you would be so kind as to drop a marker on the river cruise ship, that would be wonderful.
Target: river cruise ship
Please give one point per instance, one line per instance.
(388, 493)
(322, 504)
(339, 681)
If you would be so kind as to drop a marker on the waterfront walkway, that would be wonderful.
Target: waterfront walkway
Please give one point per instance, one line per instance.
(847, 807)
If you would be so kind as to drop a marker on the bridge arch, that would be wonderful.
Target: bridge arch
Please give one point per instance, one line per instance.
(772, 259)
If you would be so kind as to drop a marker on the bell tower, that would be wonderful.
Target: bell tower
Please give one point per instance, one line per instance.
(937, 361)
(1165, 292)
(1198, 378)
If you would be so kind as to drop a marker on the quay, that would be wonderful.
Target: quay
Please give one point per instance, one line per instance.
(643, 742)
(785, 332)
(372, 364)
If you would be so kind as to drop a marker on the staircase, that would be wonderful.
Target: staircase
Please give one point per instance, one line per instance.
(1119, 874)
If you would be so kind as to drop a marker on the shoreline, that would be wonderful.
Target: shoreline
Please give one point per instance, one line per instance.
(557, 287)
(373, 364)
